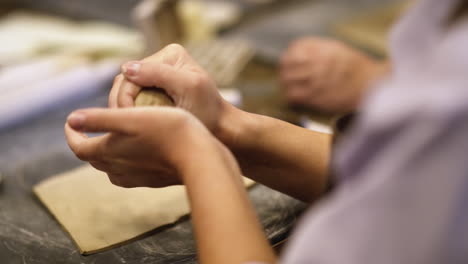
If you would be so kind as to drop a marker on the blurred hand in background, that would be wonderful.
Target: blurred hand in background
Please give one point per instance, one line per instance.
(327, 75)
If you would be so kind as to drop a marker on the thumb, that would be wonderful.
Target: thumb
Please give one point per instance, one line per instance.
(102, 120)
(156, 74)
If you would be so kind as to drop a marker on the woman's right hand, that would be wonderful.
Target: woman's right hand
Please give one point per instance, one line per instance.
(173, 70)
(258, 142)
(146, 146)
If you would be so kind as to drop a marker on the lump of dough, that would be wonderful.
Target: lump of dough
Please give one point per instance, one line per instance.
(153, 97)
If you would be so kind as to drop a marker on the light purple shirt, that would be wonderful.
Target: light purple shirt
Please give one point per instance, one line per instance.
(403, 170)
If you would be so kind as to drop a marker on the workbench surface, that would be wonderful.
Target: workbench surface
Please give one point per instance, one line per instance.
(29, 234)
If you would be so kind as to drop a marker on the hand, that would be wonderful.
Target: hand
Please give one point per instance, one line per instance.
(327, 74)
(173, 70)
(146, 146)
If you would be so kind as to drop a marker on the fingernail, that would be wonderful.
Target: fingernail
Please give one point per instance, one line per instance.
(131, 68)
(76, 120)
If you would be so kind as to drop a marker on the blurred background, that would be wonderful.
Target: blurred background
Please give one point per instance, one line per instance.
(55, 54)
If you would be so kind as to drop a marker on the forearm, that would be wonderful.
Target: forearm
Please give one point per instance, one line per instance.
(225, 224)
(282, 156)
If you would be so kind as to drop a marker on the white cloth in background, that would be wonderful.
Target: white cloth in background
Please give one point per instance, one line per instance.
(25, 36)
(32, 92)
(48, 61)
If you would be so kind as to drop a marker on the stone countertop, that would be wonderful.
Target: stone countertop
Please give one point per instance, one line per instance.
(37, 149)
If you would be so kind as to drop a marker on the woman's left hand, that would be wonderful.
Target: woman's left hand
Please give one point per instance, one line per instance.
(175, 71)
(142, 147)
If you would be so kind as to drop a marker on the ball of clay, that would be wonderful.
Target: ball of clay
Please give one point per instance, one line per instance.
(153, 97)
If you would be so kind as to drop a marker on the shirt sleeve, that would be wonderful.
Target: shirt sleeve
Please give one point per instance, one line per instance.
(402, 172)
(403, 194)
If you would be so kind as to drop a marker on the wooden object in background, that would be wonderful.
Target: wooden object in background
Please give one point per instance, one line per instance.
(161, 24)
(370, 30)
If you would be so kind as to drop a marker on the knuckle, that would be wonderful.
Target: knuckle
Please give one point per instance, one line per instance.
(113, 179)
(200, 80)
(182, 120)
(116, 179)
(97, 166)
(119, 180)
(129, 185)
(101, 166)
(175, 47)
(88, 154)
(81, 154)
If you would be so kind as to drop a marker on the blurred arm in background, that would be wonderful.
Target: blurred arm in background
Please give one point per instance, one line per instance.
(328, 75)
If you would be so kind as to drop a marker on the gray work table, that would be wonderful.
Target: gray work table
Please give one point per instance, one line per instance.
(36, 150)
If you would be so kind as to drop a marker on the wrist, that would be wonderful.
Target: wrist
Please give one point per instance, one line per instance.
(231, 125)
(199, 150)
(237, 129)
(209, 159)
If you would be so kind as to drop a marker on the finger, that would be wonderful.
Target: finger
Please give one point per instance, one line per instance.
(296, 74)
(310, 54)
(100, 165)
(85, 148)
(127, 94)
(115, 91)
(309, 75)
(297, 94)
(128, 176)
(294, 59)
(305, 78)
(151, 73)
(116, 179)
(142, 179)
(123, 180)
(170, 54)
(110, 168)
(103, 120)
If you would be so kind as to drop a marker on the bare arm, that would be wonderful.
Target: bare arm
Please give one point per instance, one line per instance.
(280, 155)
(285, 157)
(327, 74)
(226, 226)
(142, 144)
